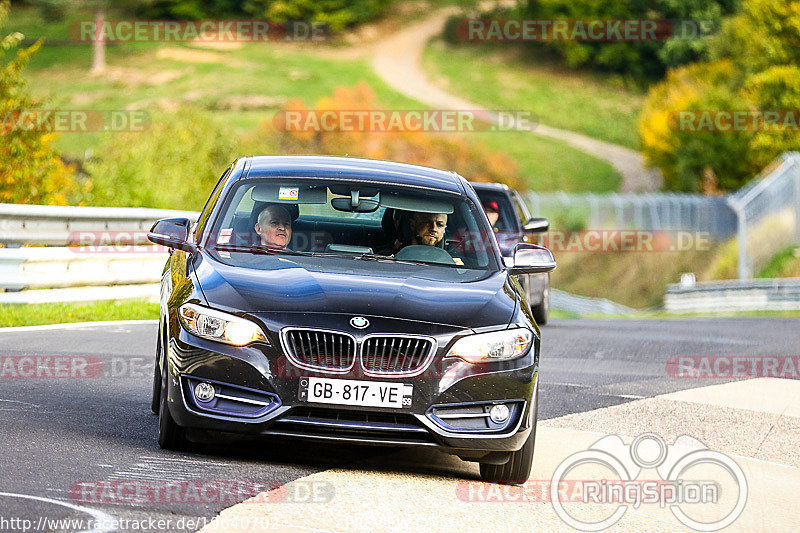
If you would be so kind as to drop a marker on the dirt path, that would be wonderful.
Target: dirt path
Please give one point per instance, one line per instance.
(397, 59)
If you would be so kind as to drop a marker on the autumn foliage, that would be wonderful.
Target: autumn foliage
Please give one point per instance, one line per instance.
(752, 69)
(450, 151)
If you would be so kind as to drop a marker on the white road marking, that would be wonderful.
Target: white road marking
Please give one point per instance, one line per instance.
(76, 325)
(19, 402)
(99, 516)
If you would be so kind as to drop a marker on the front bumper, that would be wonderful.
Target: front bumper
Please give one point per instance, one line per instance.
(270, 384)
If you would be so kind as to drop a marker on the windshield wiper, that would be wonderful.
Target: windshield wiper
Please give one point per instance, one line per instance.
(390, 258)
(258, 249)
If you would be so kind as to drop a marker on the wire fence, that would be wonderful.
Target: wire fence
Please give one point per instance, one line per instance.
(768, 214)
(764, 216)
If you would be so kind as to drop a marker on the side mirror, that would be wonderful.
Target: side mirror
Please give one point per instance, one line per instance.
(532, 259)
(172, 233)
(537, 225)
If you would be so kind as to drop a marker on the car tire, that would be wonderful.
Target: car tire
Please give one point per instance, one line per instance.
(541, 311)
(171, 436)
(518, 468)
(155, 400)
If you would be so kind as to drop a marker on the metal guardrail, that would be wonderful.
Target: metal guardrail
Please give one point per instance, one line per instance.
(99, 262)
(582, 305)
(60, 225)
(49, 268)
(782, 294)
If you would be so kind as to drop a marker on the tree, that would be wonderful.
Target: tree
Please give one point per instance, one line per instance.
(30, 169)
(753, 70)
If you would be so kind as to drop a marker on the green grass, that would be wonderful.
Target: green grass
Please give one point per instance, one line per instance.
(147, 76)
(504, 78)
(551, 165)
(664, 315)
(785, 263)
(59, 313)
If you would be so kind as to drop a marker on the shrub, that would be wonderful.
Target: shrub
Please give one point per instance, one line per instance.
(30, 168)
(337, 14)
(754, 69)
(640, 61)
(468, 158)
(174, 164)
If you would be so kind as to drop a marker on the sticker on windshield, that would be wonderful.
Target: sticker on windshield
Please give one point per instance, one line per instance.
(224, 236)
(288, 193)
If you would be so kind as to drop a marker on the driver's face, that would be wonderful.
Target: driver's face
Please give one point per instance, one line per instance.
(275, 227)
(428, 228)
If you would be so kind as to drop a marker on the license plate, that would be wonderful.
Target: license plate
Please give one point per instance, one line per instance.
(356, 392)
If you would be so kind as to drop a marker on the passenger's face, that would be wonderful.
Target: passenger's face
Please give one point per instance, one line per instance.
(492, 216)
(275, 227)
(428, 228)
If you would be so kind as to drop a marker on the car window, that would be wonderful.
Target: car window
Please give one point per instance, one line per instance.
(324, 219)
(209, 207)
(499, 201)
(521, 209)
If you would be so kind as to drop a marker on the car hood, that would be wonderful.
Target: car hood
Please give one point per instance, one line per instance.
(293, 288)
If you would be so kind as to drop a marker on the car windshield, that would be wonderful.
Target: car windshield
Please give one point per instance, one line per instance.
(331, 224)
(498, 202)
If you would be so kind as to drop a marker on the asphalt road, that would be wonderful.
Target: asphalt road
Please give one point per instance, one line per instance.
(56, 432)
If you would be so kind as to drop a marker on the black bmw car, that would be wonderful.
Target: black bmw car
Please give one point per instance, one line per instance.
(349, 300)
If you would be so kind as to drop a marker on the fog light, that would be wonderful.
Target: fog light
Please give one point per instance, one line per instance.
(499, 413)
(204, 392)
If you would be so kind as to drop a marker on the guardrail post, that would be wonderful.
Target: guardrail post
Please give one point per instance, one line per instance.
(796, 179)
(741, 240)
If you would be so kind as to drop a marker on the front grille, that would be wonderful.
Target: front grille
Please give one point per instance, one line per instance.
(392, 354)
(322, 350)
(342, 424)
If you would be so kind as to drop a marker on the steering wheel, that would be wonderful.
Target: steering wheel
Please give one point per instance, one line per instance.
(424, 253)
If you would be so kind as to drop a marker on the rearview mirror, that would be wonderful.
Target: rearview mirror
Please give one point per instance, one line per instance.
(172, 233)
(537, 224)
(532, 259)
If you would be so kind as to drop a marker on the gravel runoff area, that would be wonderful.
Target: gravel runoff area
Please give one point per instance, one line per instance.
(756, 421)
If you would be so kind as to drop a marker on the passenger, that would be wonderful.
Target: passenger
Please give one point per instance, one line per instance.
(274, 226)
(492, 213)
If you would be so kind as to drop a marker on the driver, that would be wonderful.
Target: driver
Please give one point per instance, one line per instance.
(274, 226)
(428, 229)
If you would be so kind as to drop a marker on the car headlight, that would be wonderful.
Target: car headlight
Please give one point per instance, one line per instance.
(494, 346)
(219, 326)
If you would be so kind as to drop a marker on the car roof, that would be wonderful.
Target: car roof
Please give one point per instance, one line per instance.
(484, 186)
(373, 170)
